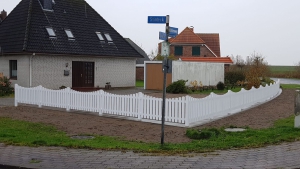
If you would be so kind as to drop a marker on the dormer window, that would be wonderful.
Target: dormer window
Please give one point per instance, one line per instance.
(51, 32)
(100, 36)
(109, 39)
(69, 34)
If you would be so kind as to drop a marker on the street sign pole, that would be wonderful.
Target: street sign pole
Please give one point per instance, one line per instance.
(164, 86)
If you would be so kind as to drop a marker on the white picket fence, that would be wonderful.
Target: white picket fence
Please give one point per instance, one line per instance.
(184, 110)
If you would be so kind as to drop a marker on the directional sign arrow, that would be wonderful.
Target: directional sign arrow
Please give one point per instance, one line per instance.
(173, 32)
(162, 36)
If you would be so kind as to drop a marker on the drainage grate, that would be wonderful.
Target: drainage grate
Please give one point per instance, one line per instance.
(82, 137)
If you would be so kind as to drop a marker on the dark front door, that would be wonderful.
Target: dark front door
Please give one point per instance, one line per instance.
(83, 74)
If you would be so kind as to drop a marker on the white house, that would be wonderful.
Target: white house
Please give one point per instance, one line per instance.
(57, 43)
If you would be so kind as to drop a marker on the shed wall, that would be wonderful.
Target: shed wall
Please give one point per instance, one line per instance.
(207, 73)
(155, 76)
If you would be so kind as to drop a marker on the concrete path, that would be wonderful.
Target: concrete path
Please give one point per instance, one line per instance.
(280, 156)
(7, 102)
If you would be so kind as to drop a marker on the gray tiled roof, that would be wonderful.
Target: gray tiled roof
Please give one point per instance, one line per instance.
(24, 31)
(140, 50)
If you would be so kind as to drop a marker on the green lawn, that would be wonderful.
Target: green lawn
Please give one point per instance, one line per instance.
(139, 83)
(236, 89)
(290, 86)
(22, 133)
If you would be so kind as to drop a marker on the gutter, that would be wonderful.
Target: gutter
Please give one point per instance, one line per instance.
(30, 69)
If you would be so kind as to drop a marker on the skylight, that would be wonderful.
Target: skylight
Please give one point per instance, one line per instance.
(50, 32)
(69, 33)
(100, 36)
(109, 39)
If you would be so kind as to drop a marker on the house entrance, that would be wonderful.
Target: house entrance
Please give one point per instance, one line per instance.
(83, 74)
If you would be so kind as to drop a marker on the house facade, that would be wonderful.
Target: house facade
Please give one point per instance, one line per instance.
(57, 43)
(190, 44)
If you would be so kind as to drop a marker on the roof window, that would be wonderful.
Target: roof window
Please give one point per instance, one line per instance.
(50, 32)
(100, 36)
(109, 39)
(69, 34)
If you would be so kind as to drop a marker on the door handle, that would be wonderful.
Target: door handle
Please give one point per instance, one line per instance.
(81, 75)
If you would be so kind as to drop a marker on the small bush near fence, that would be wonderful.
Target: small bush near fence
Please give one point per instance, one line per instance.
(231, 78)
(220, 86)
(5, 88)
(177, 87)
(202, 134)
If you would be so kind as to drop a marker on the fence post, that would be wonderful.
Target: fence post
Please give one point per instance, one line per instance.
(140, 105)
(187, 121)
(39, 90)
(297, 109)
(100, 102)
(68, 97)
(16, 94)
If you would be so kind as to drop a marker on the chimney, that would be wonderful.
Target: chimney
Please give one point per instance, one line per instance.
(47, 4)
(192, 28)
(3, 15)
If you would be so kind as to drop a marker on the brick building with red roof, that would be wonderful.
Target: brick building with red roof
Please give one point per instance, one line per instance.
(197, 47)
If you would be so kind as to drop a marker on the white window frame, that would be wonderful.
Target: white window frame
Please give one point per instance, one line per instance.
(69, 34)
(100, 36)
(51, 31)
(108, 37)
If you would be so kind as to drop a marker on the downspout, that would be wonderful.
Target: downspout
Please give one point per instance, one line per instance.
(30, 69)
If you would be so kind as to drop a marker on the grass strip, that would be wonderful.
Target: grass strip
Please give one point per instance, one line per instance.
(290, 86)
(139, 83)
(21, 133)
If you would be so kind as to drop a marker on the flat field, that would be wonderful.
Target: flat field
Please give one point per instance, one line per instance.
(282, 69)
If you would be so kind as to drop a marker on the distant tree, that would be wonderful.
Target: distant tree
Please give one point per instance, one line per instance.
(257, 69)
(159, 57)
(238, 63)
(153, 54)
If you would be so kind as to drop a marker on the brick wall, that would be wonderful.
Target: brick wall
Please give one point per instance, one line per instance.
(140, 73)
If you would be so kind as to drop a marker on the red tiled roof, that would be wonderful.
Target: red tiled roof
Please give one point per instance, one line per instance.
(187, 36)
(208, 59)
(212, 41)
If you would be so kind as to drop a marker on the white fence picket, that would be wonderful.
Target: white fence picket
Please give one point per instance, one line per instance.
(183, 110)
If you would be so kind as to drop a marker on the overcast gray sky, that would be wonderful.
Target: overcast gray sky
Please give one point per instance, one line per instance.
(268, 27)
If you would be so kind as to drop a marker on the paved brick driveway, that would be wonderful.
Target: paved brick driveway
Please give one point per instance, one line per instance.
(285, 155)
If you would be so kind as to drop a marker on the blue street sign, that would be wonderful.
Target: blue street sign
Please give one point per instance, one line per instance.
(162, 36)
(173, 32)
(157, 19)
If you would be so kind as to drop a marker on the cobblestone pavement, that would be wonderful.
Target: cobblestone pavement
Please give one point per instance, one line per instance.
(285, 155)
